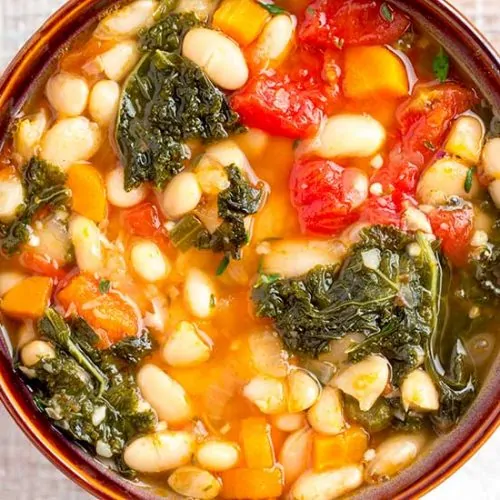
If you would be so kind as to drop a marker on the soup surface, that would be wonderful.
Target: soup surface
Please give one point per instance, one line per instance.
(250, 250)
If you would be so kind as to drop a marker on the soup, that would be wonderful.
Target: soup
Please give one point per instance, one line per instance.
(250, 250)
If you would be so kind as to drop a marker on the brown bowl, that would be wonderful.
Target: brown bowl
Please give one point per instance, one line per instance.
(477, 58)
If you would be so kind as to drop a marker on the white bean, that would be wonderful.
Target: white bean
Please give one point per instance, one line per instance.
(289, 422)
(365, 381)
(393, 455)
(444, 179)
(119, 61)
(199, 293)
(29, 133)
(164, 394)
(490, 161)
(86, 239)
(254, 142)
(186, 346)
(327, 415)
(194, 482)
(217, 455)
(295, 454)
(268, 355)
(116, 193)
(303, 390)
(202, 8)
(356, 184)
(275, 41)
(71, 140)
(418, 392)
(127, 21)
(53, 239)
(290, 258)
(11, 195)
(347, 136)
(466, 137)
(494, 190)
(67, 93)
(104, 101)
(211, 176)
(25, 334)
(149, 262)
(416, 220)
(267, 393)
(327, 485)
(227, 153)
(159, 452)
(219, 56)
(36, 350)
(182, 195)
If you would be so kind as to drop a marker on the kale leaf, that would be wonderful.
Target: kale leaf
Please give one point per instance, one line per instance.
(395, 299)
(67, 389)
(236, 202)
(167, 100)
(486, 267)
(168, 34)
(44, 187)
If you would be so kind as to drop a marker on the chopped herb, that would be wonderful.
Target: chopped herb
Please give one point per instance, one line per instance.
(224, 263)
(187, 233)
(386, 12)
(273, 9)
(441, 65)
(104, 286)
(468, 179)
(429, 146)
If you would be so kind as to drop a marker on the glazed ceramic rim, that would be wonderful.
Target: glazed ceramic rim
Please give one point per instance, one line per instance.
(92, 476)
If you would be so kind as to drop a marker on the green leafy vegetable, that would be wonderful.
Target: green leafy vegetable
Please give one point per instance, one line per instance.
(273, 9)
(376, 419)
(44, 187)
(68, 391)
(164, 9)
(166, 101)
(468, 179)
(167, 35)
(221, 268)
(441, 65)
(236, 202)
(104, 286)
(386, 12)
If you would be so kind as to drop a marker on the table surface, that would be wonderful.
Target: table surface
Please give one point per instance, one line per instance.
(26, 475)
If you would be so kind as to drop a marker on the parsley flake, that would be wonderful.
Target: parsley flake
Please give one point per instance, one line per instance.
(468, 179)
(273, 9)
(441, 65)
(104, 286)
(224, 263)
(386, 12)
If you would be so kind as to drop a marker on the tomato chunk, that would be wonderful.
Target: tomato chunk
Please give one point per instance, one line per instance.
(41, 264)
(384, 210)
(454, 227)
(326, 195)
(338, 23)
(290, 102)
(424, 120)
(144, 220)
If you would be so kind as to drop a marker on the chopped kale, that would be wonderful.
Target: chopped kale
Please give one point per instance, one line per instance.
(236, 202)
(273, 9)
(167, 100)
(376, 419)
(167, 35)
(396, 300)
(67, 389)
(486, 267)
(44, 187)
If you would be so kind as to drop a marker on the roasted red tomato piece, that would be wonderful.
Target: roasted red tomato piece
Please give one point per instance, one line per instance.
(289, 102)
(454, 227)
(41, 264)
(337, 23)
(384, 210)
(326, 195)
(144, 220)
(424, 120)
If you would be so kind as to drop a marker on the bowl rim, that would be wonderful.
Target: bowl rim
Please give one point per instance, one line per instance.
(90, 476)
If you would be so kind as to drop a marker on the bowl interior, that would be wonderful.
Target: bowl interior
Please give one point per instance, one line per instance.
(477, 59)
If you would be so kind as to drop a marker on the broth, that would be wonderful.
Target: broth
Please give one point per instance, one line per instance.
(290, 310)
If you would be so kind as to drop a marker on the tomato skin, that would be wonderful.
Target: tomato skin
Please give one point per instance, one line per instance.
(320, 192)
(144, 220)
(337, 23)
(383, 210)
(289, 102)
(41, 264)
(454, 227)
(424, 120)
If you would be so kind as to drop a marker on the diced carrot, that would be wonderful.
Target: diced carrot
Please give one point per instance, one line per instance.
(88, 190)
(28, 299)
(242, 20)
(330, 452)
(252, 483)
(373, 71)
(257, 443)
(108, 313)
